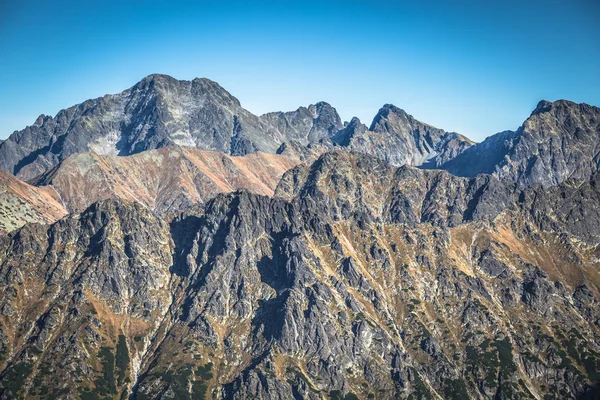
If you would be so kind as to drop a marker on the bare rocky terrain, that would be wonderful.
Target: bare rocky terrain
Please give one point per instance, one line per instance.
(338, 262)
(167, 180)
(21, 203)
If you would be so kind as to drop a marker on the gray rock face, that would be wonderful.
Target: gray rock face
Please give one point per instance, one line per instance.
(560, 140)
(156, 112)
(483, 157)
(358, 279)
(395, 195)
(399, 139)
(306, 125)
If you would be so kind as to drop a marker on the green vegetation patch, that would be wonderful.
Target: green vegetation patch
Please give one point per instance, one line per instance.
(106, 383)
(455, 389)
(15, 377)
(337, 395)
(419, 391)
(122, 358)
(180, 380)
(204, 372)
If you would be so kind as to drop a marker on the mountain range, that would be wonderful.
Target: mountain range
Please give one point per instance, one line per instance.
(165, 242)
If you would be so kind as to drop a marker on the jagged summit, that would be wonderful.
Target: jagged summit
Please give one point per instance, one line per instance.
(160, 111)
(542, 106)
(548, 106)
(384, 113)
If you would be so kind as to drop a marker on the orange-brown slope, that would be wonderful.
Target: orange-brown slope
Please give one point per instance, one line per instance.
(167, 179)
(21, 203)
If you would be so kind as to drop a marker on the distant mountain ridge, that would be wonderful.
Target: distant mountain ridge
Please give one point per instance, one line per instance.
(156, 112)
(161, 111)
(559, 141)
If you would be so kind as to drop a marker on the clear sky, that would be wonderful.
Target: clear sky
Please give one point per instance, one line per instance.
(476, 67)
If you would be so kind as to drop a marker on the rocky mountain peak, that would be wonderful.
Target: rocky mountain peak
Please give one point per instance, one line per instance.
(398, 138)
(175, 90)
(352, 129)
(385, 113)
(560, 106)
(559, 141)
(542, 106)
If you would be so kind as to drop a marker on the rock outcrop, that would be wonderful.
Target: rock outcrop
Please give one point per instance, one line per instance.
(306, 124)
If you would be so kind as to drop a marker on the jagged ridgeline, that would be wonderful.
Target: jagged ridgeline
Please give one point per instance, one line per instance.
(175, 258)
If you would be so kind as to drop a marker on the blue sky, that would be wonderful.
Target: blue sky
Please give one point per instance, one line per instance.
(475, 67)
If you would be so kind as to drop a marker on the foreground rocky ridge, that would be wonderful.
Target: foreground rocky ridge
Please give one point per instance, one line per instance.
(357, 280)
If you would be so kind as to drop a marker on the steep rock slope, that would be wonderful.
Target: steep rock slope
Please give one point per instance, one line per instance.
(21, 203)
(169, 179)
(156, 112)
(560, 140)
(358, 280)
(306, 124)
(74, 291)
(396, 137)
